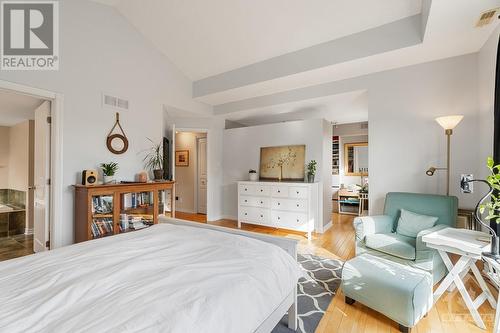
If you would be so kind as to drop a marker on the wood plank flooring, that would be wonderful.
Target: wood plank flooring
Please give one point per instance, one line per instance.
(448, 315)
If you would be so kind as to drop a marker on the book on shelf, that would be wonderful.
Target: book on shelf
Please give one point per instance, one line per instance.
(102, 227)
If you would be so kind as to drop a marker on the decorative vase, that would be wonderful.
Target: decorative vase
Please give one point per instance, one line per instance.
(310, 178)
(253, 176)
(108, 179)
(158, 173)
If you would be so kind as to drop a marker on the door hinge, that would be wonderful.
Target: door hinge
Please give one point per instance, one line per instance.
(47, 244)
(48, 181)
(49, 120)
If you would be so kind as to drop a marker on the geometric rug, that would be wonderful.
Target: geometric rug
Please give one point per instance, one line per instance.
(315, 291)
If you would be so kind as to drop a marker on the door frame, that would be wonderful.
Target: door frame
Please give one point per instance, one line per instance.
(196, 183)
(56, 154)
(196, 130)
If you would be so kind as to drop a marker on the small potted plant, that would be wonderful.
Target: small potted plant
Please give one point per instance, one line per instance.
(154, 160)
(109, 170)
(311, 171)
(252, 175)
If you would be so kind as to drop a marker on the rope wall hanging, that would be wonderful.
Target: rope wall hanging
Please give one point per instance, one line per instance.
(117, 143)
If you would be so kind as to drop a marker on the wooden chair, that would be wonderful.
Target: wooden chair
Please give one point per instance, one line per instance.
(363, 200)
(492, 268)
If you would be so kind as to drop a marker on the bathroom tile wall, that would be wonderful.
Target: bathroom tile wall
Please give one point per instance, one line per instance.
(13, 223)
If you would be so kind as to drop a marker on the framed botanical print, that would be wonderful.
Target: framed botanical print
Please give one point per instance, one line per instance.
(182, 158)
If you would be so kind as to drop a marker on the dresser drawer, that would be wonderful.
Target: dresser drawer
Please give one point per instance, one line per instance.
(254, 201)
(295, 205)
(290, 220)
(254, 215)
(298, 192)
(245, 189)
(262, 190)
(279, 191)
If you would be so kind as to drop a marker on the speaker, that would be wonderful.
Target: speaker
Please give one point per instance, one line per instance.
(89, 177)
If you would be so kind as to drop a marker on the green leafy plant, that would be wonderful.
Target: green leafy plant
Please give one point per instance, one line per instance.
(154, 156)
(492, 206)
(109, 169)
(311, 167)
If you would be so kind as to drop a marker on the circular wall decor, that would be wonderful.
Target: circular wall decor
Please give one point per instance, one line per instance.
(117, 143)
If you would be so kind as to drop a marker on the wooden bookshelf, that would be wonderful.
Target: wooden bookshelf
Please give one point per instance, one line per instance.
(107, 210)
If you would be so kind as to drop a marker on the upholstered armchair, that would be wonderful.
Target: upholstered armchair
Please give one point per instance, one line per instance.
(377, 235)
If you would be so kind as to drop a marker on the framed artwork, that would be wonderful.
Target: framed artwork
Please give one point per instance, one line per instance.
(182, 158)
(282, 163)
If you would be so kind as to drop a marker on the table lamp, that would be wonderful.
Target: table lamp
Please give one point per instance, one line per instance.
(448, 123)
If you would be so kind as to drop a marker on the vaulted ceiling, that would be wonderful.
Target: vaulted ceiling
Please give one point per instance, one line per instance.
(239, 50)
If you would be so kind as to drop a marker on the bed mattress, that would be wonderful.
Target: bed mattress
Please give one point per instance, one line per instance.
(166, 278)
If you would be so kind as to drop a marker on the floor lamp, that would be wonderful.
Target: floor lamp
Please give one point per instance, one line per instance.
(448, 123)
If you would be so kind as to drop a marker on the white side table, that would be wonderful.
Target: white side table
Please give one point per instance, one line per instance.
(466, 244)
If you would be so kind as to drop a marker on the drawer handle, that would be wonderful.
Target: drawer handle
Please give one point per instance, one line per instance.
(246, 214)
(297, 192)
(246, 200)
(297, 220)
(261, 202)
(279, 191)
(279, 204)
(261, 215)
(279, 218)
(245, 189)
(297, 205)
(261, 190)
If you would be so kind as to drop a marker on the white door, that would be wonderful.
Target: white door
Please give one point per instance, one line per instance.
(202, 175)
(42, 177)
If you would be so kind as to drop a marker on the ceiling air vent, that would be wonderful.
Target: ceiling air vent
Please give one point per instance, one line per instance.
(115, 102)
(486, 17)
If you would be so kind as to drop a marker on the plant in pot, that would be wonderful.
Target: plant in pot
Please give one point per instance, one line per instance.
(489, 204)
(311, 171)
(109, 170)
(252, 175)
(154, 160)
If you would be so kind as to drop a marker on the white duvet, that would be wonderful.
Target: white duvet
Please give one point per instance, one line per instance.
(166, 278)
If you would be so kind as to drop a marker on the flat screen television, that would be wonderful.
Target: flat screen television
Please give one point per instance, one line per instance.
(167, 175)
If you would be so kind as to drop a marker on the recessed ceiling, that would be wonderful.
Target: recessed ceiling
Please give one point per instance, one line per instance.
(16, 108)
(204, 38)
(341, 108)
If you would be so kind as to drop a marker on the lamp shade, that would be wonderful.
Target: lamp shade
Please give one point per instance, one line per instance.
(449, 122)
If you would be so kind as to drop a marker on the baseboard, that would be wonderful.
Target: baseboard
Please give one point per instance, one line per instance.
(28, 231)
(187, 211)
(229, 217)
(327, 226)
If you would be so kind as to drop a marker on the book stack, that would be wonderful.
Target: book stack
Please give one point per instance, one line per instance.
(136, 223)
(102, 228)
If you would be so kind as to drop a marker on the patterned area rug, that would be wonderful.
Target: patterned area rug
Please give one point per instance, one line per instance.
(314, 293)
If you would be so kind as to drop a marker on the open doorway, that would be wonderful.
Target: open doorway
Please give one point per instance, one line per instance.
(190, 163)
(24, 174)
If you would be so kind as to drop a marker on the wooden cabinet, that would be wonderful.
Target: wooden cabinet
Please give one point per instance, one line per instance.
(291, 206)
(106, 210)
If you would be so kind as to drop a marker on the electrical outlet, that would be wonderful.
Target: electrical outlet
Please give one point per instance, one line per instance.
(465, 183)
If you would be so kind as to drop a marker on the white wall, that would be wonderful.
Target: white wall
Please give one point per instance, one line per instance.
(4, 157)
(185, 177)
(404, 139)
(242, 152)
(101, 52)
(486, 61)
(19, 156)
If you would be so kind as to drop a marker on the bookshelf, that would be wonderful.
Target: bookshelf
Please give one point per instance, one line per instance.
(335, 155)
(107, 210)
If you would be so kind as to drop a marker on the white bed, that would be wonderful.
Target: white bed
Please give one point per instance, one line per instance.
(172, 277)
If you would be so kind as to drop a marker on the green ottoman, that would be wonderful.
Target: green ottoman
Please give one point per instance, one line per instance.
(400, 292)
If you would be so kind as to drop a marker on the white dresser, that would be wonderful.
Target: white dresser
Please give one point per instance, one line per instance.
(278, 204)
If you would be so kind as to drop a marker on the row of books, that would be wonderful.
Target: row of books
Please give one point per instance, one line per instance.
(102, 227)
(134, 200)
(102, 204)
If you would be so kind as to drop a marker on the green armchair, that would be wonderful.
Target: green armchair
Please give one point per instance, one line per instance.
(377, 235)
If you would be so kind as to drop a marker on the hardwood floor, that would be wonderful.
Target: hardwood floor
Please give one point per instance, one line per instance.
(448, 315)
(15, 246)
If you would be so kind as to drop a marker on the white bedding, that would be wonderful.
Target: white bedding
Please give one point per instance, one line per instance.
(166, 278)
